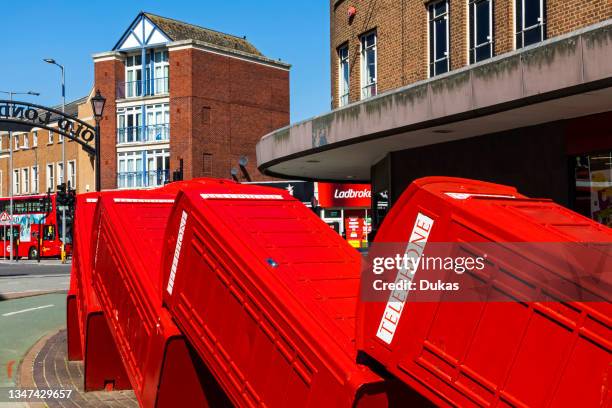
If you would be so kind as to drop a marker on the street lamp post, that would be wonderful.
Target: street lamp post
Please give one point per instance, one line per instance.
(11, 147)
(97, 105)
(52, 61)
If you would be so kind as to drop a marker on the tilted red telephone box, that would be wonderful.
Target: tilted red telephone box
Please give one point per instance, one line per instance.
(88, 336)
(76, 299)
(267, 294)
(126, 279)
(510, 351)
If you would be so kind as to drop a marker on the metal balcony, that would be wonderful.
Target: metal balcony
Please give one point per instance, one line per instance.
(140, 88)
(141, 134)
(135, 179)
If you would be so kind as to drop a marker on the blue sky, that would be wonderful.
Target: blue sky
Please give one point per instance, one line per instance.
(71, 31)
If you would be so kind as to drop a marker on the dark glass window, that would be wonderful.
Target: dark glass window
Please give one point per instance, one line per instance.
(25, 206)
(49, 233)
(530, 18)
(481, 29)
(439, 61)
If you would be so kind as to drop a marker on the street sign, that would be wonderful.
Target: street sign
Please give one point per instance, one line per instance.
(5, 217)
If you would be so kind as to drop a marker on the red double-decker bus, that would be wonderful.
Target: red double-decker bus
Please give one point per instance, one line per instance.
(35, 227)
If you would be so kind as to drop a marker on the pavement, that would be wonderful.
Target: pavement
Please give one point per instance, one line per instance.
(46, 367)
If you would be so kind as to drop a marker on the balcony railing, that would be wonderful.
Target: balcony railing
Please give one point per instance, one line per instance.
(139, 134)
(135, 179)
(135, 89)
(368, 90)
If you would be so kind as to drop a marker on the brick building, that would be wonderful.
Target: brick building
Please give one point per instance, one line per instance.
(177, 93)
(37, 157)
(517, 92)
(471, 31)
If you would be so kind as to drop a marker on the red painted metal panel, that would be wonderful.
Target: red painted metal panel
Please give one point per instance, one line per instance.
(554, 354)
(267, 293)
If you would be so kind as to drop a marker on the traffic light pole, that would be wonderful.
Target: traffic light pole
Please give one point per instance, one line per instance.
(63, 234)
(47, 207)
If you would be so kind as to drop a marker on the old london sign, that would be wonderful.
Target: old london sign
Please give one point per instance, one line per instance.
(28, 114)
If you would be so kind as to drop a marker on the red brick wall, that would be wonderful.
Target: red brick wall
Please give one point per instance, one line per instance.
(401, 27)
(106, 76)
(219, 108)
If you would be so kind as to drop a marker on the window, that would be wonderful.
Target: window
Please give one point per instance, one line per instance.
(35, 179)
(530, 22)
(60, 173)
(344, 75)
(129, 127)
(133, 75)
(35, 138)
(130, 170)
(439, 61)
(368, 65)
(481, 29)
(160, 67)
(16, 142)
(158, 167)
(60, 138)
(26, 141)
(49, 233)
(25, 176)
(50, 137)
(143, 168)
(16, 181)
(157, 125)
(50, 177)
(72, 173)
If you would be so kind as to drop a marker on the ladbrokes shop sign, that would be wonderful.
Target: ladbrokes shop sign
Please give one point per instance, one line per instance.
(335, 195)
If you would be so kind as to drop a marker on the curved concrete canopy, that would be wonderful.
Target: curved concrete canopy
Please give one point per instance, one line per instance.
(561, 78)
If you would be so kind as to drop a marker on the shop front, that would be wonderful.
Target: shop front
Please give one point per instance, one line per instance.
(346, 208)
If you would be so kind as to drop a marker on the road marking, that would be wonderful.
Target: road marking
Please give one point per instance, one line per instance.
(9, 369)
(26, 310)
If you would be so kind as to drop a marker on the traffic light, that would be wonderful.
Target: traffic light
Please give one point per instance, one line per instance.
(71, 200)
(62, 197)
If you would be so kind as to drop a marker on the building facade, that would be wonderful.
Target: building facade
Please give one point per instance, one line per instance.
(37, 157)
(517, 92)
(378, 46)
(182, 95)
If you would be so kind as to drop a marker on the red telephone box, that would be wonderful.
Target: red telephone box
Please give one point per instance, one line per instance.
(507, 352)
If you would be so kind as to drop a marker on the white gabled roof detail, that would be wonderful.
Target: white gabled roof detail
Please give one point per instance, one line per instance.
(142, 32)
